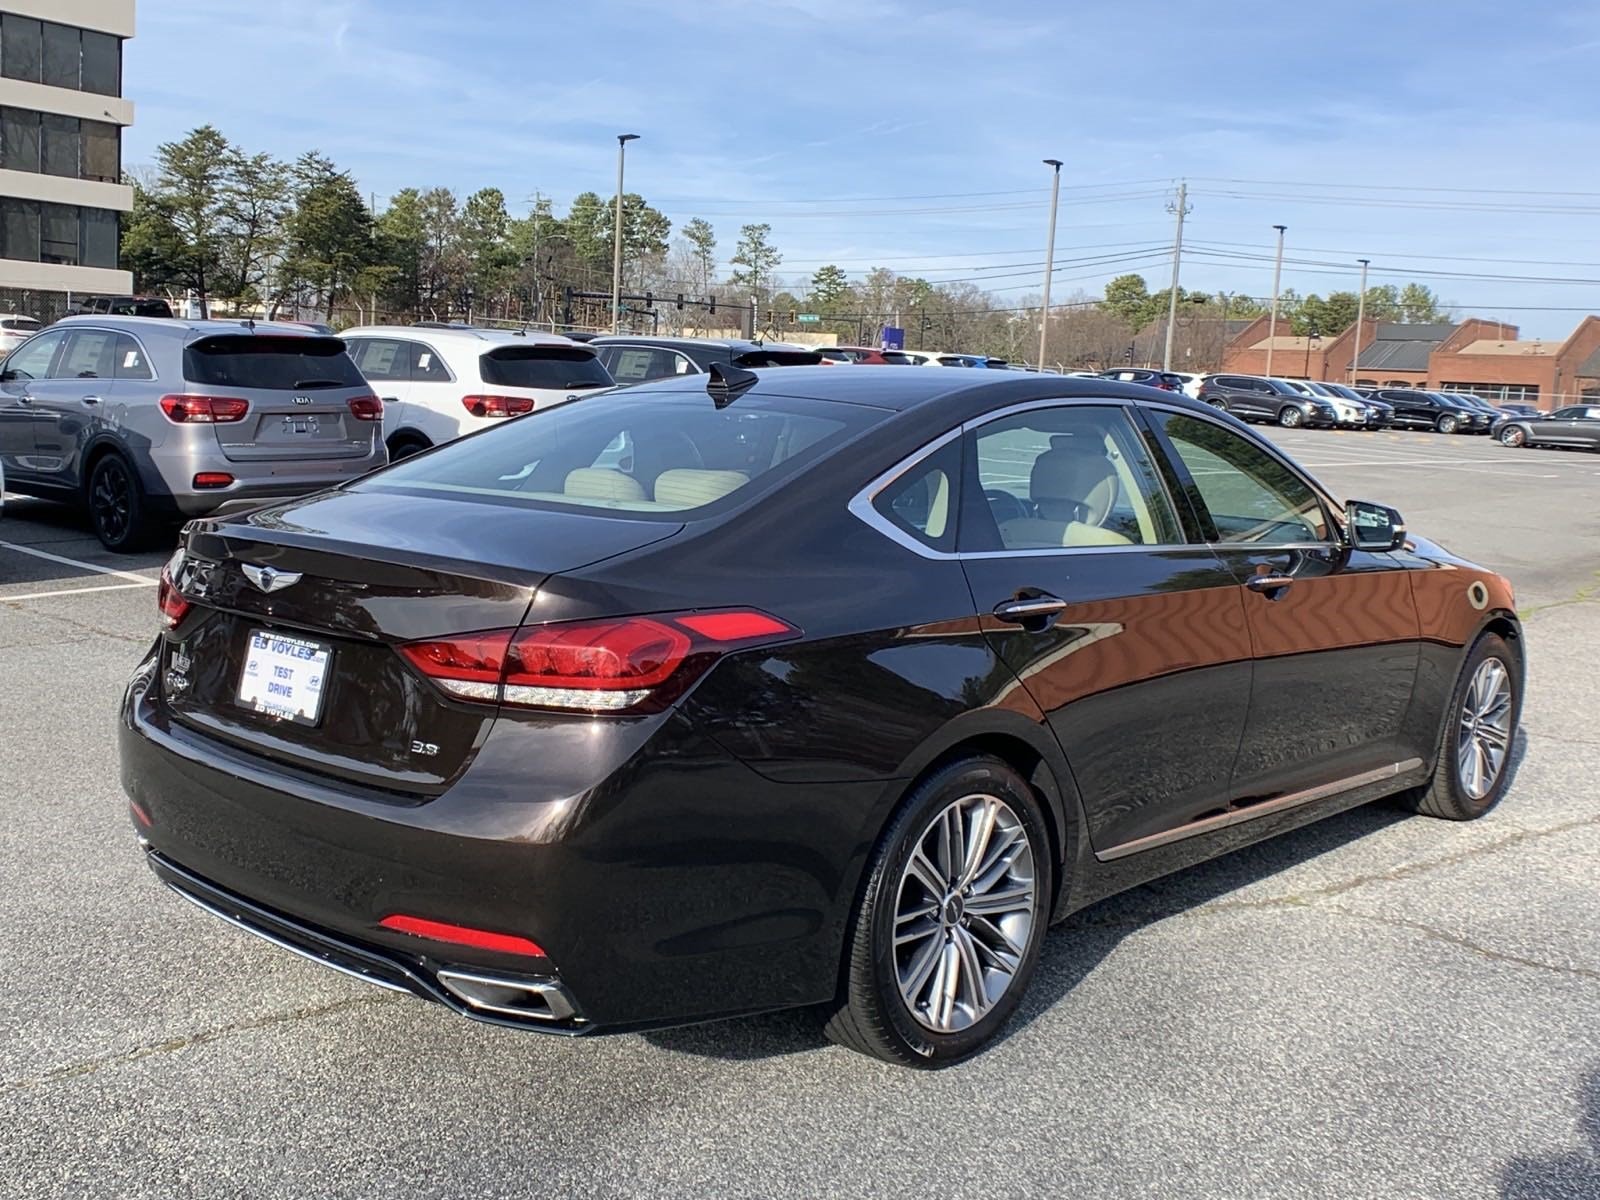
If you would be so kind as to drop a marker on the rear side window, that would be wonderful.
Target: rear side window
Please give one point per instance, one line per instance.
(274, 363)
(650, 454)
(381, 359)
(552, 367)
(427, 366)
(20, 324)
(924, 501)
(131, 362)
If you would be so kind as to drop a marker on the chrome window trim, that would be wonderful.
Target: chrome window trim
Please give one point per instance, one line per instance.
(862, 503)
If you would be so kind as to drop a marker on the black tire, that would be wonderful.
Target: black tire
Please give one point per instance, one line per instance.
(1446, 795)
(1513, 435)
(1291, 417)
(118, 510)
(1448, 424)
(404, 445)
(869, 1015)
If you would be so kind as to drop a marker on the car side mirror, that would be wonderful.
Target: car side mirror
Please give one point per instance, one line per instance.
(8, 376)
(1374, 527)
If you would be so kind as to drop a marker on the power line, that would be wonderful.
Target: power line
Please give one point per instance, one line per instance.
(1034, 191)
(1397, 187)
(1120, 198)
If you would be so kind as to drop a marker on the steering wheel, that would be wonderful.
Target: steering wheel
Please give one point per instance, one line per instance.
(1005, 506)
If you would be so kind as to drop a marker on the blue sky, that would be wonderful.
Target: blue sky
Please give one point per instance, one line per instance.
(791, 111)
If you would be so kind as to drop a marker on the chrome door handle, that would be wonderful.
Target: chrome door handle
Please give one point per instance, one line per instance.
(388, 399)
(24, 399)
(91, 399)
(1268, 583)
(1019, 611)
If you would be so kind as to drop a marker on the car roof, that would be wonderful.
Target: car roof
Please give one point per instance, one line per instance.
(740, 345)
(905, 390)
(463, 335)
(179, 327)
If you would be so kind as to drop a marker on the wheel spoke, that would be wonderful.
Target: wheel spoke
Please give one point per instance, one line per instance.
(914, 979)
(978, 834)
(1016, 898)
(971, 972)
(947, 985)
(996, 942)
(925, 873)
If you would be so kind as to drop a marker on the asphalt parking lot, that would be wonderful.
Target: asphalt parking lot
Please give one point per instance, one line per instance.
(1377, 1006)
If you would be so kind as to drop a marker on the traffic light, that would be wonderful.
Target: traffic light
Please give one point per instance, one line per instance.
(1128, 354)
(713, 304)
(649, 300)
(793, 313)
(680, 300)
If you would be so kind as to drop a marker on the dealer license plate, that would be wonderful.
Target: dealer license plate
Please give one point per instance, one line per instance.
(284, 676)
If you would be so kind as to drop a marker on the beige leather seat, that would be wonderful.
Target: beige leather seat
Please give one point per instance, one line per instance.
(1074, 487)
(686, 488)
(1073, 481)
(602, 483)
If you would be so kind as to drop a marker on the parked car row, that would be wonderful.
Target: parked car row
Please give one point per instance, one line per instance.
(1318, 403)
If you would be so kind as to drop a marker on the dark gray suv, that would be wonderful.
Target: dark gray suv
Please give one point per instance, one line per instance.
(147, 421)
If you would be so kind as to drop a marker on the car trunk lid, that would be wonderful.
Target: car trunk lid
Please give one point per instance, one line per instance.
(326, 589)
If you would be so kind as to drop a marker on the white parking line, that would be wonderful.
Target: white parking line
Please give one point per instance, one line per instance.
(104, 587)
(73, 562)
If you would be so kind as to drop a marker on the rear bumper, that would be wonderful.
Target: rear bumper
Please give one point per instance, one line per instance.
(666, 881)
(169, 478)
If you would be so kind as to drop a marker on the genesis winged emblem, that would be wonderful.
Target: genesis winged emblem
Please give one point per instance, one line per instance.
(270, 579)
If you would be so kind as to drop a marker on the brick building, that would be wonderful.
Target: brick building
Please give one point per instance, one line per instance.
(1477, 355)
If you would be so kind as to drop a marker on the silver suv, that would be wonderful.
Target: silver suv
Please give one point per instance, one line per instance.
(148, 421)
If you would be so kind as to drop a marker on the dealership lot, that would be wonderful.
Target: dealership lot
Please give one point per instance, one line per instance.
(1373, 1006)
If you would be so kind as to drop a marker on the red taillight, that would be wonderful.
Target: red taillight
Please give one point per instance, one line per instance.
(497, 406)
(366, 408)
(611, 665)
(212, 479)
(169, 601)
(462, 935)
(204, 410)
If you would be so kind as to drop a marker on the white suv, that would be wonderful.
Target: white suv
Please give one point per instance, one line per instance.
(437, 382)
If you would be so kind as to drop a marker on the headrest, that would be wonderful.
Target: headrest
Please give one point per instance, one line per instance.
(686, 488)
(602, 483)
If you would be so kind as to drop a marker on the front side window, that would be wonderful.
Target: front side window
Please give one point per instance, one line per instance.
(1073, 476)
(32, 359)
(1253, 498)
(90, 354)
(381, 359)
(650, 455)
(924, 501)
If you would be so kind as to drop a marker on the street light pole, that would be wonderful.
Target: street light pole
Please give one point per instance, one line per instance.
(1361, 317)
(616, 254)
(1049, 255)
(1182, 209)
(1277, 276)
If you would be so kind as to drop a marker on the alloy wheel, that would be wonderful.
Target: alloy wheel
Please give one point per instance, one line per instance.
(1290, 417)
(1512, 436)
(1447, 424)
(964, 913)
(111, 500)
(1484, 738)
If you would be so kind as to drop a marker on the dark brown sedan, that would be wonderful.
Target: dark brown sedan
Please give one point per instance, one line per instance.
(837, 688)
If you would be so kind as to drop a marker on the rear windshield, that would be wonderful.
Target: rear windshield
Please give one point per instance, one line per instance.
(553, 367)
(777, 358)
(898, 359)
(635, 452)
(278, 363)
(26, 323)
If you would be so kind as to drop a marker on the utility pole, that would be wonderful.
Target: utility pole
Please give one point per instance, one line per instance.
(1182, 209)
(616, 255)
(1049, 255)
(1361, 316)
(1277, 276)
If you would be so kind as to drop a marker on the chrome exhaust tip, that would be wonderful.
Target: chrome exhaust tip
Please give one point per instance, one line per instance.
(529, 999)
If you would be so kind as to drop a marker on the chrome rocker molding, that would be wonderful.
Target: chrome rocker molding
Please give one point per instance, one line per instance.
(1265, 808)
